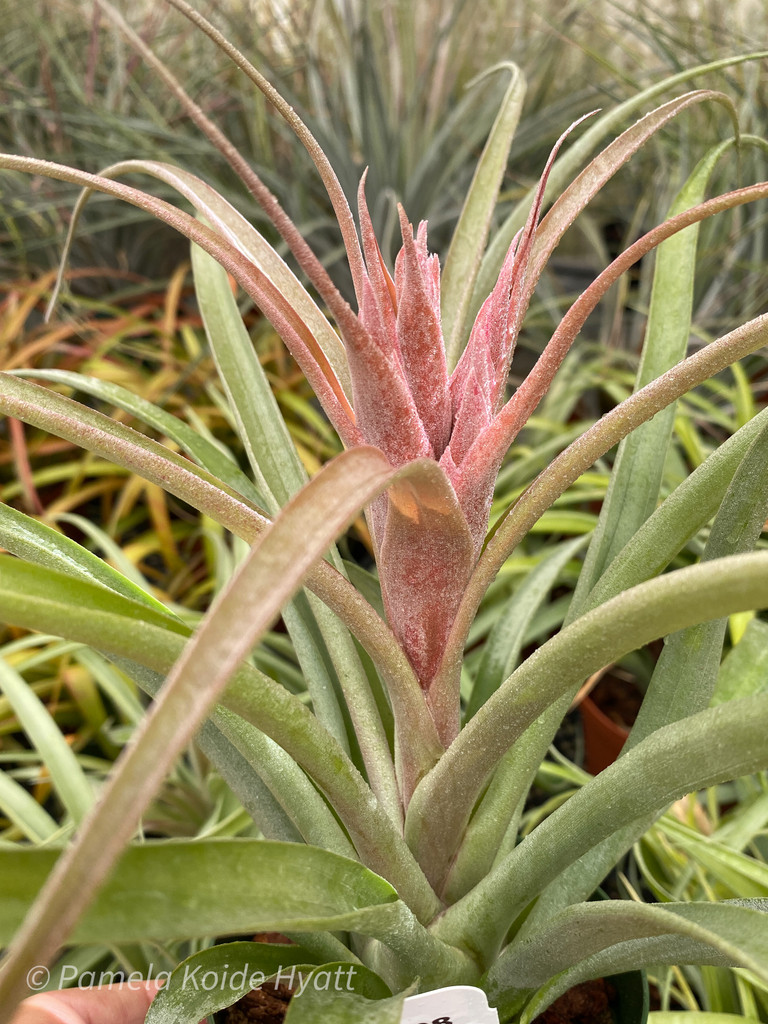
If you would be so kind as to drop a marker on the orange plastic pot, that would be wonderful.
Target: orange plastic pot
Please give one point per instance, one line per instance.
(603, 738)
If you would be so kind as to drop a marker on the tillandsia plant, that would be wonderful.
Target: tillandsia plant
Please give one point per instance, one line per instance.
(390, 807)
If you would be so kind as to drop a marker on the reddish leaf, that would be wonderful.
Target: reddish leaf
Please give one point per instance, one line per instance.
(427, 555)
(420, 336)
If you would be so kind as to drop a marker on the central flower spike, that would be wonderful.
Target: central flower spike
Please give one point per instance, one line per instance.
(429, 531)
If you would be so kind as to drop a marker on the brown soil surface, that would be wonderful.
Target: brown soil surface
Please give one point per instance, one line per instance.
(265, 1005)
(588, 1003)
(618, 699)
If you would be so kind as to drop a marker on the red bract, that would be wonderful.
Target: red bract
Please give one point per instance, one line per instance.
(428, 535)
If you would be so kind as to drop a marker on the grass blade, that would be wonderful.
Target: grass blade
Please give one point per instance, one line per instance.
(68, 778)
(24, 811)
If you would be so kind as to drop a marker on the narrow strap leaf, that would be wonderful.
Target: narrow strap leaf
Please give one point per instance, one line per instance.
(21, 808)
(98, 433)
(297, 796)
(295, 241)
(325, 891)
(638, 468)
(502, 648)
(597, 939)
(118, 443)
(237, 967)
(587, 928)
(684, 678)
(69, 780)
(444, 800)
(36, 598)
(706, 749)
(267, 579)
(323, 165)
(679, 517)
(287, 321)
(578, 457)
(238, 772)
(323, 644)
(34, 541)
(571, 161)
(204, 453)
(471, 233)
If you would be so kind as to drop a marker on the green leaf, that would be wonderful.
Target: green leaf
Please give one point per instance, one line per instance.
(95, 432)
(581, 931)
(744, 670)
(698, 1017)
(574, 197)
(174, 889)
(37, 598)
(658, 540)
(69, 780)
(320, 1002)
(503, 647)
(344, 976)
(205, 454)
(497, 814)
(686, 673)
(24, 811)
(271, 452)
(744, 874)
(298, 797)
(177, 889)
(114, 684)
(637, 471)
(679, 517)
(441, 806)
(233, 969)
(34, 541)
(24, 585)
(215, 978)
(267, 579)
(470, 235)
(596, 939)
(705, 749)
(325, 650)
(238, 772)
(570, 464)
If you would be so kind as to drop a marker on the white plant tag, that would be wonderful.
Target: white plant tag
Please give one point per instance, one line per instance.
(459, 1004)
